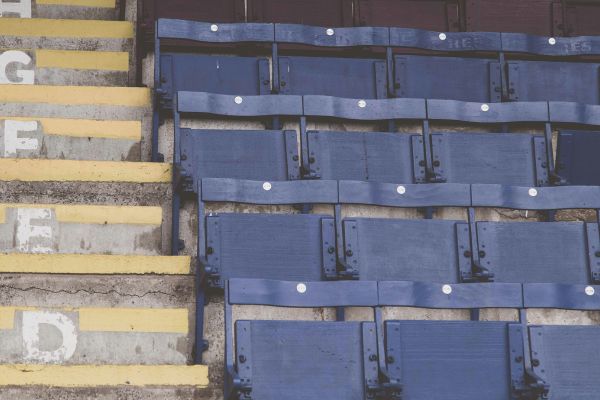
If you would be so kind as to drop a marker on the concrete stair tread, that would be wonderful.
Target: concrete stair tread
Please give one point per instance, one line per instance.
(82, 229)
(99, 264)
(40, 170)
(103, 375)
(65, 9)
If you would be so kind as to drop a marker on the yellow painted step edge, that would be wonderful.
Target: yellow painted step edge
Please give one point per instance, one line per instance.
(38, 170)
(94, 214)
(103, 375)
(63, 28)
(93, 264)
(73, 59)
(79, 3)
(147, 320)
(83, 128)
(75, 95)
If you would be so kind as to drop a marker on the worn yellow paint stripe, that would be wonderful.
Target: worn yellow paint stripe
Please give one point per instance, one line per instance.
(66, 28)
(93, 214)
(103, 375)
(83, 128)
(148, 320)
(73, 59)
(75, 95)
(7, 316)
(38, 170)
(162, 320)
(92, 264)
(79, 3)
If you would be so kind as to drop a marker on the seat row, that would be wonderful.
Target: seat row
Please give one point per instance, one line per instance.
(432, 155)
(430, 263)
(479, 77)
(396, 359)
(540, 17)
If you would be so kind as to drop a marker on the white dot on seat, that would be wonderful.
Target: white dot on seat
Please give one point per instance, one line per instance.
(301, 288)
(590, 291)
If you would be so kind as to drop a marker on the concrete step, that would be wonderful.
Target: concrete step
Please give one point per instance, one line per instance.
(102, 332)
(80, 229)
(62, 9)
(65, 34)
(66, 52)
(74, 122)
(64, 67)
(100, 264)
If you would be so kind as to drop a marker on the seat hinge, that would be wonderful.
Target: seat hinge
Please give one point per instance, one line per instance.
(532, 388)
(385, 391)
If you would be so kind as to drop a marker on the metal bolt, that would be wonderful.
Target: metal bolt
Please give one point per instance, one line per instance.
(467, 253)
(421, 163)
(442, 36)
(295, 158)
(446, 289)
(238, 100)
(209, 250)
(311, 160)
(373, 357)
(436, 163)
(518, 359)
(390, 359)
(535, 363)
(184, 157)
(597, 254)
(533, 192)
(362, 103)
(301, 288)
(214, 27)
(401, 189)
(590, 291)
(481, 253)
(242, 358)
(349, 253)
(331, 249)
(552, 41)
(267, 186)
(330, 32)
(485, 108)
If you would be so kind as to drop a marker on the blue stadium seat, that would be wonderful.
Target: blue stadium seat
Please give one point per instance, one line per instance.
(554, 81)
(453, 78)
(366, 156)
(455, 360)
(266, 246)
(567, 358)
(557, 262)
(331, 76)
(177, 70)
(300, 359)
(503, 158)
(576, 157)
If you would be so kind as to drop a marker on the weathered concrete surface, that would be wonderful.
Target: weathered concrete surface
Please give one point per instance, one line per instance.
(66, 11)
(65, 68)
(55, 146)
